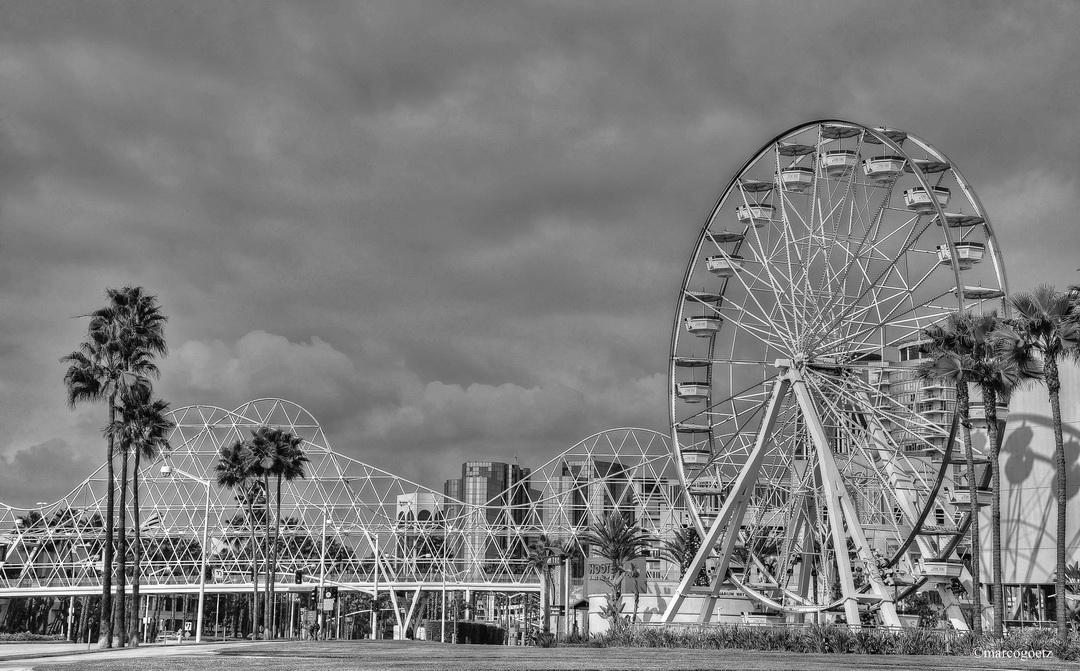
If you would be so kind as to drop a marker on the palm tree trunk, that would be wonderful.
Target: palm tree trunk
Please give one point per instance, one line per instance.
(105, 625)
(963, 407)
(136, 568)
(616, 591)
(269, 602)
(120, 603)
(990, 412)
(84, 618)
(274, 546)
(637, 600)
(546, 607)
(254, 574)
(1053, 384)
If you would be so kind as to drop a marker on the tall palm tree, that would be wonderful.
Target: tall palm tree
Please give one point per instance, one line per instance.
(620, 543)
(268, 447)
(142, 430)
(233, 471)
(1002, 368)
(1047, 320)
(951, 350)
(122, 340)
(538, 556)
(289, 461)
(1006, 370)
(974, 349)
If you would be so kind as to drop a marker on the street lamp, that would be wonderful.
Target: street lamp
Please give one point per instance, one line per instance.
(509, 602)
(167, 471)
(555, 558)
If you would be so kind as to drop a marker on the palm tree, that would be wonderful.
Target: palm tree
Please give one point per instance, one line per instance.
(261, 452)
(121, 342)
(974, 349)
(952, 348)
(1006, 368)
(619, 543)
(538, 556)
(143, 431)
(681, 550)
(233, 471)
(1047, 320)
(289, 460)
(272, 452)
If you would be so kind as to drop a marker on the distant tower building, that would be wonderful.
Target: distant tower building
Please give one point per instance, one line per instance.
(505, 487)
(933, 400)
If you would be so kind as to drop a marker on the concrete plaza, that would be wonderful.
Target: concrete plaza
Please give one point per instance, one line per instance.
(380, 655)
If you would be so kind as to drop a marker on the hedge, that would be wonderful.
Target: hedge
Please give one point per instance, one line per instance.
(480, 633)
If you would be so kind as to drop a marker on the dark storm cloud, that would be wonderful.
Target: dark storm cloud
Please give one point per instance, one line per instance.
(457, 230)
(47, 471)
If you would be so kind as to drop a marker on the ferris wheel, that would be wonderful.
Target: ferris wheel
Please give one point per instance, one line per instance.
(819, 471)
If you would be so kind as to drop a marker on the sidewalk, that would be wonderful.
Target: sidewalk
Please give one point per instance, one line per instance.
(27, 650)
(20, 656)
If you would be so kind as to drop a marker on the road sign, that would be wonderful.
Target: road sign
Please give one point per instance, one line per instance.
(329, 596)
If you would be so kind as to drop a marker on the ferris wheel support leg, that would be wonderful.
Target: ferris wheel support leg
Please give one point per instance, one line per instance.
(952, 608)
(839, 506)
(800, 532)
(730, 514)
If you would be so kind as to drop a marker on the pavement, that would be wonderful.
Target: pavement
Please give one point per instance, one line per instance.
(424, 656)
(25, 656)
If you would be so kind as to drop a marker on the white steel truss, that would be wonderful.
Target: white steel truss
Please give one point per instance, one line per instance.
(346, 523)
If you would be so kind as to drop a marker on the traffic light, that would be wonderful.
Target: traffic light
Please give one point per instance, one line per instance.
(299, 578)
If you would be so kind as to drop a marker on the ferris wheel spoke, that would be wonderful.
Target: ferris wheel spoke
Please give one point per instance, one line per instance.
(908, 244)
(771, 285)
(877, 290)
(761, 324)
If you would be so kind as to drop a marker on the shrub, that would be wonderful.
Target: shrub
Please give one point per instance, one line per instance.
(545, 639)
(838, 639)
(480, 633)
(27, 636)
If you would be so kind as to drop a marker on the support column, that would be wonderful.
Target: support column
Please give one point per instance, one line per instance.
(839, 507)
(375, 591)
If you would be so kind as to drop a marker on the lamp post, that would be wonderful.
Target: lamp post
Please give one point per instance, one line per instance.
(509, 601)
(168, 471)
(555, 558)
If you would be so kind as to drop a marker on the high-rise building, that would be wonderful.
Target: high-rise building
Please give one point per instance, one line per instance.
(504, 489)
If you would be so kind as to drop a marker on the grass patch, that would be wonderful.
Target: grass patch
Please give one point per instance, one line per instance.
(423, 656)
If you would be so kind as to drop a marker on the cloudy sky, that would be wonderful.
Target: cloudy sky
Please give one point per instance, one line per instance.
(454, 230)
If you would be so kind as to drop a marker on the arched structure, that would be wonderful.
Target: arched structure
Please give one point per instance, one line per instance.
(347, 523)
